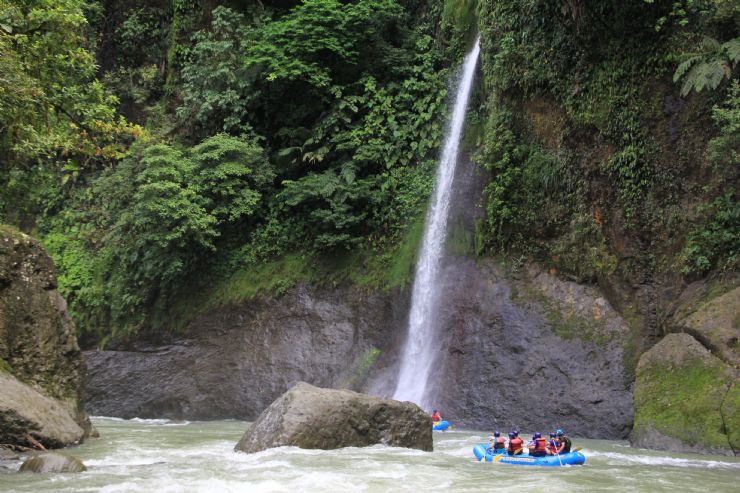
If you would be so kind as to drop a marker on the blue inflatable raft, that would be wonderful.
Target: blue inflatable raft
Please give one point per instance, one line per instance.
(569, 459)
(440, 425)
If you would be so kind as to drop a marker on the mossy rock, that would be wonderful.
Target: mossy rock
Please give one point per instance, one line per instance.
(685, 399)
(716, 324)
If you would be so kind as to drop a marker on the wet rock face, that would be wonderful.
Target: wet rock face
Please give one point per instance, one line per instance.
(686, 399)
(529, 351)
(53, 463)
(234, 362)
(535, 353)
(314, 418)
(39, 356)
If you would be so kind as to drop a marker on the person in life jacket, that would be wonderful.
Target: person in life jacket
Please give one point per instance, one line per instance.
(565, 443)
(498, 443)
(516, 444)
(538, 448)
(553, 445)
(436, 417)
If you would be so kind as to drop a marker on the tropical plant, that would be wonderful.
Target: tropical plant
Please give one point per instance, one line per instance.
(707, 67)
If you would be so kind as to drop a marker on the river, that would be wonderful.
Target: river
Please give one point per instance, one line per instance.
(165, 456)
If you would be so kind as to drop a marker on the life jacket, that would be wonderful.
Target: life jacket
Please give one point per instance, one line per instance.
(499, 442)
(515, 444)
(566, 444)
(540, 444)
(436, 417)
(553, 446)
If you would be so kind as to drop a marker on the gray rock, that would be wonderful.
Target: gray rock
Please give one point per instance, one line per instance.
(314, 418)
(25, 411)
(53, 463)
(502, 361)
(528, 351)
(38, 347)
(6, 454)
(233, 362)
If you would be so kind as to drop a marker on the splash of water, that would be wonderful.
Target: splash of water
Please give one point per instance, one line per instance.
(417, 357)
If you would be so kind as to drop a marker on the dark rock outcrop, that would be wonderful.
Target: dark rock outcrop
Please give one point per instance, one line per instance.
(41, 366)
(527, 350)
(232, 363)
(530, 352)
(314, 418)
(53, 463)
(686, 399)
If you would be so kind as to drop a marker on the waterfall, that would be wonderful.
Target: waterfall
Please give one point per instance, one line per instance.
(417, 358)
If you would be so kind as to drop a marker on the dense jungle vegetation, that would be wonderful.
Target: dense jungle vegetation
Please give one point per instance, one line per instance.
(177, 154)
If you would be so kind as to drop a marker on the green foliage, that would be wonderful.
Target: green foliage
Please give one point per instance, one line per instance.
(527, 189)
(708, 67)
(149, 221)
(53, 112)
(300, 132)
(715, 243)
(233, 172)
(725, 148)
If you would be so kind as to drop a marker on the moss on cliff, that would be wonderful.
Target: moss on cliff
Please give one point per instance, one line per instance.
(682, 393)
(386, 269)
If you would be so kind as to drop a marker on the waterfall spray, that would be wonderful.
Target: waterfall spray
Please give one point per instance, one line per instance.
(417, 358)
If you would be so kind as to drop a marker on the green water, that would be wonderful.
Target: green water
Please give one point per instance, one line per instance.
(164, 456)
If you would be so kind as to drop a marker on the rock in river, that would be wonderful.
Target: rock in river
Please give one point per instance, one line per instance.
(311, 417)
(47, 463)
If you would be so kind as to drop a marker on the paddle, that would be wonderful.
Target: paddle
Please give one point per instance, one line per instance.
(556, 453)
(559, 459)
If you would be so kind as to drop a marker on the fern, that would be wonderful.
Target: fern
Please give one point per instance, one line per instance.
(707, 68)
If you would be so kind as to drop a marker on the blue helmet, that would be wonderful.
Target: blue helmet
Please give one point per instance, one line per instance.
(538, 435)
(434, 410)
(512, 434)
(496, 433)
(552, 435)
(559, 432)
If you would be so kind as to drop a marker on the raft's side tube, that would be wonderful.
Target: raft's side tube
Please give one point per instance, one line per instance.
(440, 425)
(569, 459)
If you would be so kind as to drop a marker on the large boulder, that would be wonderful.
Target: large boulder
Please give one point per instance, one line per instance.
(41, 365)
(26, 412)
(686, 399)
(53, 463)
(315, 418)
(716, 324)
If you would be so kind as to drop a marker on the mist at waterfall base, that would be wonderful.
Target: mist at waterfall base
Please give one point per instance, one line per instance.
(417, 357)
(166, 456)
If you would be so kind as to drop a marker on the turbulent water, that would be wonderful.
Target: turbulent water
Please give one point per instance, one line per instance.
(417, 358)
(163, 456)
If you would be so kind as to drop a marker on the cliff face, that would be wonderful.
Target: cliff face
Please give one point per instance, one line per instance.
(41, 366)
(233, 362)
(531, 351)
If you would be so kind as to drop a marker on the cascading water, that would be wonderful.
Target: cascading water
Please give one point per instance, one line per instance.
(417, 356)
